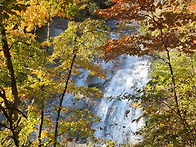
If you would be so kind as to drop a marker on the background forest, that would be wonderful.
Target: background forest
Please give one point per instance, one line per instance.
(36, 76)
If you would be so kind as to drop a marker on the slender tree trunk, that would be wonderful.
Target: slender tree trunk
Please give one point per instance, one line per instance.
(62, 97)
(42, 103)
(10, 70)
(173, 83)
(11, 126)
(41, 124)
(34, 30)
(48, 32)
(171, 72)
(9, 119)
(183, 121)
(12, 79)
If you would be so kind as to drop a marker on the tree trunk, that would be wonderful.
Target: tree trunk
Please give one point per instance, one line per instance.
(62, 97)
(10, 70)
(48, 32)
(12, 79)
(41, 124)
(183, 120)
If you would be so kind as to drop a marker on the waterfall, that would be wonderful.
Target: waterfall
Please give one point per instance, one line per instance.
(117, 115)
(127, 74)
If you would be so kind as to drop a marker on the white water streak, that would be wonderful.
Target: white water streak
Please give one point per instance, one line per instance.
(117, 115)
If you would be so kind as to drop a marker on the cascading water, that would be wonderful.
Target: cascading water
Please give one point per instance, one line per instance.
(126, 75)
(117, 115)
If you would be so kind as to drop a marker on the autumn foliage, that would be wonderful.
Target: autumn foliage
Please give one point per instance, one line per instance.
(31, 77)
(166, 22)
(35, 81)
(165, 30)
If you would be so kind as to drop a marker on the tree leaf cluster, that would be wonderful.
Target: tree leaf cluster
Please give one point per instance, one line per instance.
(33, 80)
(166, 31)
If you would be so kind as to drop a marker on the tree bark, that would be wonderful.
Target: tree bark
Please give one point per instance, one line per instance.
(10, 70)
(9, 119)
(41, 124)
(12, 79)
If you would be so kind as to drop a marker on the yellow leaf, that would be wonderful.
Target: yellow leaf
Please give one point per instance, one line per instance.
(83, 6)
(133, 104)
(30, 28)
(45, 44)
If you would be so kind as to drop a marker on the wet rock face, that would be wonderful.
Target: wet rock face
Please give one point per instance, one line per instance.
(57, 26)
(94, 81)
(59, 23)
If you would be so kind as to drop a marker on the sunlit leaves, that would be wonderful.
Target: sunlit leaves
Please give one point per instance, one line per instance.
(77, 125)
(172, 17)
(35, 15)
(39, 76)
(85, 38)
(10, 7)
(192, 7)
(163, 125)
(165, 27)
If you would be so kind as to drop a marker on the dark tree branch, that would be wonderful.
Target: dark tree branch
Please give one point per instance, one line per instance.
(41, 124)
(183, 121)
(8, 104)
(62, 97)
(9, 68)
(14, 132)
(4, 126)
